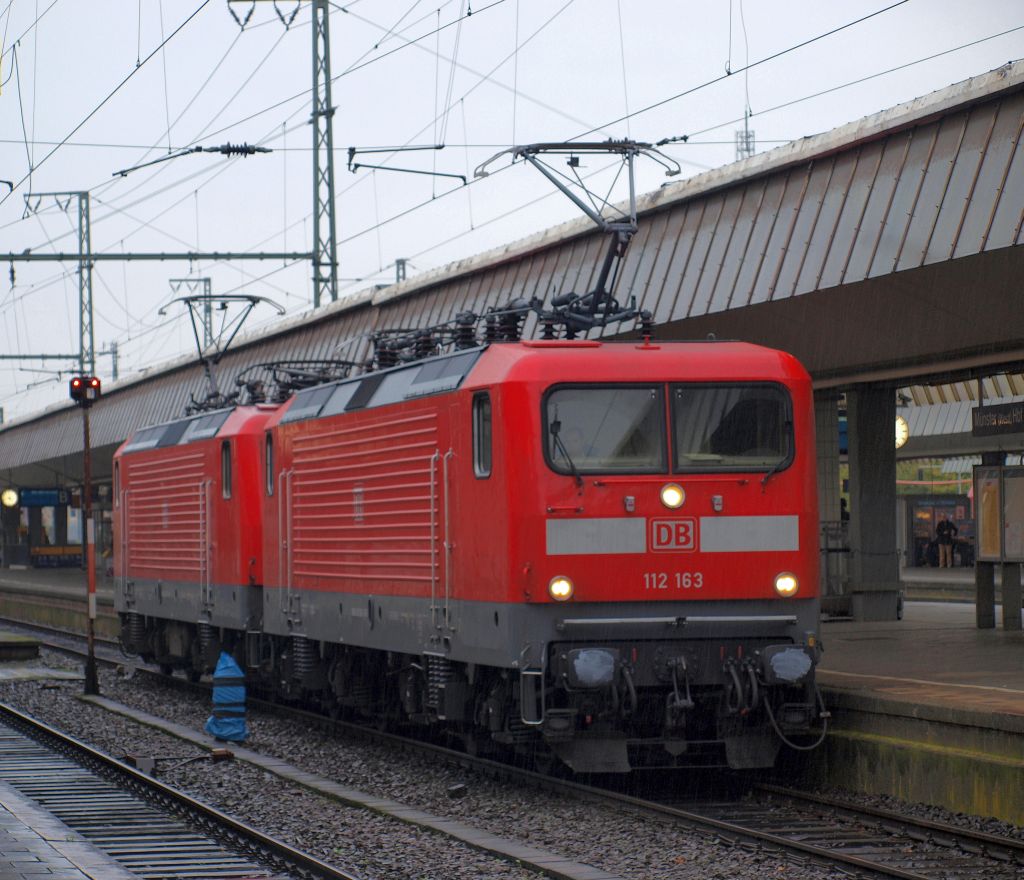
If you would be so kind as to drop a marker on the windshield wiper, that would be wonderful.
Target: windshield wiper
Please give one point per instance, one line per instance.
(556, 427)
(775, 468)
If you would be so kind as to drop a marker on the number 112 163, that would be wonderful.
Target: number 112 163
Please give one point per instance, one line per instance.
(673, 580)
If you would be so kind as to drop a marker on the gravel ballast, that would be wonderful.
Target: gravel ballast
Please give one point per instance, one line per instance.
(622, 843)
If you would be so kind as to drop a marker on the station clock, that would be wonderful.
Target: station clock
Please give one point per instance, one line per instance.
(902, 431)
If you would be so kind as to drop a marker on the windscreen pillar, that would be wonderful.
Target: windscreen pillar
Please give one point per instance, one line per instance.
(874, 563)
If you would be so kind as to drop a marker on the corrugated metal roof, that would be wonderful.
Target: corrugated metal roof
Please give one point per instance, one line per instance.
(933, 420)
(998, 387)
(962, 464)
(941, 177)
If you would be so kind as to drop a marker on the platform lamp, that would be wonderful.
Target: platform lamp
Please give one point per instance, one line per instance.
(84, 391)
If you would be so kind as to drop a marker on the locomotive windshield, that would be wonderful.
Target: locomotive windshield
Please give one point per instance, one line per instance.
(730, 426)
(621, 428)
(603, 429)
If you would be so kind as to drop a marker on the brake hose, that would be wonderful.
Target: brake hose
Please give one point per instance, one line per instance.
(824, 725)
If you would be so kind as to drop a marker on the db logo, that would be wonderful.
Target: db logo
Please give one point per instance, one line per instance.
(673, 534)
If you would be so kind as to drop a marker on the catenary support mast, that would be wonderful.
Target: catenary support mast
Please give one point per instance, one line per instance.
(325, 253)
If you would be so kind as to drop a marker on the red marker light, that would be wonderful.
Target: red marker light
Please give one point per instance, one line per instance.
(84, 389)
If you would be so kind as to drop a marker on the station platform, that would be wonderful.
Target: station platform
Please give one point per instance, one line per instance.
(34, 844)
(56, 597)
(942, 584)
(928, 708)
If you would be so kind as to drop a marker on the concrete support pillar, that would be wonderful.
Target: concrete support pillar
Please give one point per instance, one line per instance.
(826, 430)
(985, 594)
(1011, 596)
(832, 532)
(874, 575)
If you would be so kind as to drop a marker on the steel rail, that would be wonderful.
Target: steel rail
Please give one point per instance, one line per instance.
(229, 831)
(1012, 847)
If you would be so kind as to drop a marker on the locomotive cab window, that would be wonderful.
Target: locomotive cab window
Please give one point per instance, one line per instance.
(225, 469)
(736, 427)
(268, 463)
(482, 435)
(605, 429)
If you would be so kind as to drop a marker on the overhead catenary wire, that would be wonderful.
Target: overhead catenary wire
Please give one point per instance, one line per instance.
(98, 221)
(660, 103)
(35, 23)
(852, 82)
(784, 104)
(774, 56)
(356, 235)
(163, 59)
(200, 134)
(485, 77)
(203, 4)
(848, 84)
(348, 71)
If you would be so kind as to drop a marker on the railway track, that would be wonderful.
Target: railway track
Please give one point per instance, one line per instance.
(864, 840)
(152, 830)
(855, 841)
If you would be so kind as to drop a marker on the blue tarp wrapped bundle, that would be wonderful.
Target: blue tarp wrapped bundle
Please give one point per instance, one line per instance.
(228, 719)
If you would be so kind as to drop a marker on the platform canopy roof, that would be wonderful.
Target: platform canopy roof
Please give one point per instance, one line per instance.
(887, 250)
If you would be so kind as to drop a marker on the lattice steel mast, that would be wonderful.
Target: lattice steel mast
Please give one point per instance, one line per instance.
(325, 253)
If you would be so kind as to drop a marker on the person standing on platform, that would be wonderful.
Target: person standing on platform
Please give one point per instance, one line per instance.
(945, 532)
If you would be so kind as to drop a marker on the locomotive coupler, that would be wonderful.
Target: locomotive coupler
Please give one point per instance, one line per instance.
(676, 703)
(752, 692)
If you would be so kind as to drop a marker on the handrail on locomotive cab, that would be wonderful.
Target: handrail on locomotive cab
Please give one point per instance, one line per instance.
(448, 545)
(433, 537)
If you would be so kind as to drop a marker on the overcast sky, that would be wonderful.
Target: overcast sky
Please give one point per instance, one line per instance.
(405, 73)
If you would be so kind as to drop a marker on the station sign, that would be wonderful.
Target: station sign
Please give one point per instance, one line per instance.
(999, 418)
(45, 497)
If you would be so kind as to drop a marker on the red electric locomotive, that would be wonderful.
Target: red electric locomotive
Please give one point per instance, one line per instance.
(188, 557)
(605, 549)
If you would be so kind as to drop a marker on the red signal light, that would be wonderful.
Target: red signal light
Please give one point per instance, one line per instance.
(85, 389)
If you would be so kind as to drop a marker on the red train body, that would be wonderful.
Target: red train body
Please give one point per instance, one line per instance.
(607, 549)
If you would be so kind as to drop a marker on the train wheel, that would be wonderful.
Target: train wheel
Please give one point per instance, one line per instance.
(544, 761)
(475, 743)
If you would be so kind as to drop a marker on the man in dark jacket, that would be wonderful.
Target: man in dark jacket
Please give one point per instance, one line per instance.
(945, 531)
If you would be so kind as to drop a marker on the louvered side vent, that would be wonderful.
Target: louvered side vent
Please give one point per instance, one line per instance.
(166, 520)
(363, 503)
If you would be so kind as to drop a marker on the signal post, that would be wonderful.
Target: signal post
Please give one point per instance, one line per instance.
(84, 390)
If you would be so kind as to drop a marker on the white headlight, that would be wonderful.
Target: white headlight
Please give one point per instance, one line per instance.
(786, 584)
(672, 495)
(560, 589)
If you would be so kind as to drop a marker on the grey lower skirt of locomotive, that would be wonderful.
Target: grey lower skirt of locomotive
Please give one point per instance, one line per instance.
(619, 706)
(608, 705)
